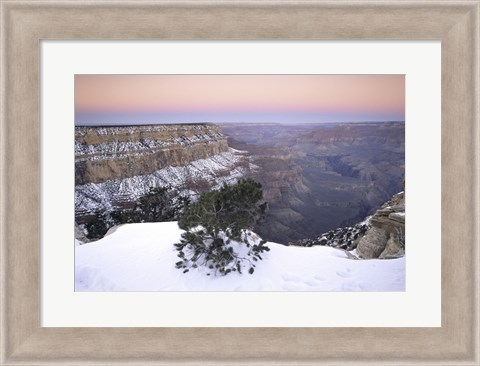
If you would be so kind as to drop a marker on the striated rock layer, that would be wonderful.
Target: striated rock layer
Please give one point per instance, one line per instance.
(107, 153)
(197, 176)
(115, 166)
(386, 237)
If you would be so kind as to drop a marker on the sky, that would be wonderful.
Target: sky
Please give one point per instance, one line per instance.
(147, 99)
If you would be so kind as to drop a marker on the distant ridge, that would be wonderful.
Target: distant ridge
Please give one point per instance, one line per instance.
(143, 124)
(102, 124)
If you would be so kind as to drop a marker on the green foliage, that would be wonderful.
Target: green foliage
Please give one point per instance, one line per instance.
(119, 217)
(97, 228)
(159, 204)
(214, 221)
(234, 207)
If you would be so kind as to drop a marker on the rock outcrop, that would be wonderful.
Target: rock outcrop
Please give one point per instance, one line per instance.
(386, 237)
(381, 235)
(115, 166)
(108, 153)
(80, 235)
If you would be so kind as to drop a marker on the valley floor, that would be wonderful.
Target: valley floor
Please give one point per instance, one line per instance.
(141, 257)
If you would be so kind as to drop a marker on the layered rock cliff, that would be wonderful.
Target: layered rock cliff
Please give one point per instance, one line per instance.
(386, 237)
(114, 166)
(107, 153)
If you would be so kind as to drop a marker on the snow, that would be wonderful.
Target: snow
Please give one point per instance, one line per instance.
(366, 221)
(218, 169)
(141, 257)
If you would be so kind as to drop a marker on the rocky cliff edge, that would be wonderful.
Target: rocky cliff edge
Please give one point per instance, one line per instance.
(386, 237)
(108, 153)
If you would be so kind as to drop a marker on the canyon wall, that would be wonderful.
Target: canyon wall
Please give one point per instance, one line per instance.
(115, 166)
(106, 153)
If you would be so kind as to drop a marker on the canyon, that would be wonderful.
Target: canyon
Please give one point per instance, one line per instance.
(381, 235)
(315, 177)
(318, 177)
(115, 166)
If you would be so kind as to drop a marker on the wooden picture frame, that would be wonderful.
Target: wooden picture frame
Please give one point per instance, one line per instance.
(26, 23)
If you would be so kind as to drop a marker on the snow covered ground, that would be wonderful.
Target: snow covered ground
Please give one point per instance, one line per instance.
(141, 257)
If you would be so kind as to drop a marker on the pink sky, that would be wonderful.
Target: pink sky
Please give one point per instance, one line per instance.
(228, 95)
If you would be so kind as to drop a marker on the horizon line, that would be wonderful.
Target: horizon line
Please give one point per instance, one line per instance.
(229, 122)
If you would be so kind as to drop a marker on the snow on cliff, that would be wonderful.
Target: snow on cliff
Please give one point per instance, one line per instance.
(220, 169)
(141, 257)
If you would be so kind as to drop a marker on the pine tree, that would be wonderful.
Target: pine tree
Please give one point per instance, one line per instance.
(97, 228)
(217, 220)
(156, 205)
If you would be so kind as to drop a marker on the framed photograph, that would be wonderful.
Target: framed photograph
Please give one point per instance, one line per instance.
(256, 169)
(261, 204)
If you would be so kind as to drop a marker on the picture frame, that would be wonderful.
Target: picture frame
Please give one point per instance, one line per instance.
(26, 23)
